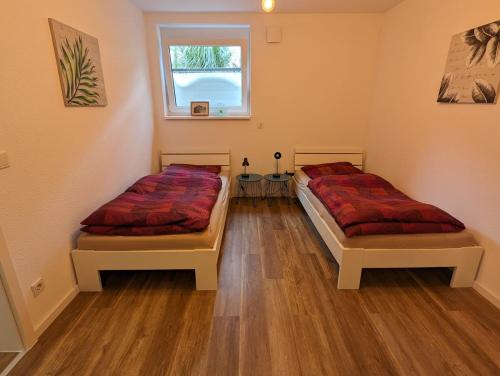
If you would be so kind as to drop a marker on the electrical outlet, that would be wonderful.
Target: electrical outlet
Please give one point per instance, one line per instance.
(38, 287)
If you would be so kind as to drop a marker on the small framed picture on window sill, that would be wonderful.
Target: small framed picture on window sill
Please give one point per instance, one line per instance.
(200, 108)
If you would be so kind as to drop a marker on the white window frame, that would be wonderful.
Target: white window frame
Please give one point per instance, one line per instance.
(171, 110)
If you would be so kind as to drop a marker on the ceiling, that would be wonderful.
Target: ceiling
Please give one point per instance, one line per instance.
(304, 6)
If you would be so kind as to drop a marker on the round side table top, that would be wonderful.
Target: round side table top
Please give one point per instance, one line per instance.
(281, 178)
(250, 178)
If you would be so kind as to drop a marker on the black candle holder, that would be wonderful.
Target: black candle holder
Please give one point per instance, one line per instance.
(277, 156)
(245, 164)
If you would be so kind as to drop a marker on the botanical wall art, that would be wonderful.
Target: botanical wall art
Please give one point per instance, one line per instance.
(79, 65)
(472, 73)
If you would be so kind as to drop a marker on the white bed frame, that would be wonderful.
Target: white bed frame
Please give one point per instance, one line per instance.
(88, 263)
(465, 261)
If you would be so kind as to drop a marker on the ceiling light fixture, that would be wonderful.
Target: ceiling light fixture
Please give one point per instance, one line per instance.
(268, 5)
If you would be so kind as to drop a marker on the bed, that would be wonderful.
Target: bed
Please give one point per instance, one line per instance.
(198, 251)
(456, 250)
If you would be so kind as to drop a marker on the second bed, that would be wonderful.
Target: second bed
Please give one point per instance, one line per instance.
(457, 250)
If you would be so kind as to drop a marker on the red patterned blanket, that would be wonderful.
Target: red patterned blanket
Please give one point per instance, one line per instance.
(366, 204)
(159, 204)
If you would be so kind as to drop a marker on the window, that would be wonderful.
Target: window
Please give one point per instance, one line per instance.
(206, 63)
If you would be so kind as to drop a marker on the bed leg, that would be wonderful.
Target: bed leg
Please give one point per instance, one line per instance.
(206, 277)
(465, 272)
(350, 269)
(462, 277)
(89, 278)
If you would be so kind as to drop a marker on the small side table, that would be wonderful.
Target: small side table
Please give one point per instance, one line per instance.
(250, 187)
(277, 185)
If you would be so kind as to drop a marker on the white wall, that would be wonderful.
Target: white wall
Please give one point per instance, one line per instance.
(66, 161)
(444, 154)
(313, 89)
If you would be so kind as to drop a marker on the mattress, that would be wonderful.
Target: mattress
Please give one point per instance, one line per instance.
(392, 241)
(195, 240)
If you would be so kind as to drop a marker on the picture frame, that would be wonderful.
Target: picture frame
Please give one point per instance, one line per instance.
(472, 70)
(79, 65)
(200, 108)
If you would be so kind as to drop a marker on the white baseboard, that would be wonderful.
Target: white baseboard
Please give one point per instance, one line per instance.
(49, 319)
(490, 296)
(12, 364)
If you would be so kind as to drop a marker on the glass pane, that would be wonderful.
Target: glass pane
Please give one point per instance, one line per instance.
(207, 73)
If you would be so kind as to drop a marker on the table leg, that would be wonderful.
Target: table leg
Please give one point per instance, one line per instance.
(268, 193)
(254, 194)
(287, 191)
(241, 191)
(273, 191)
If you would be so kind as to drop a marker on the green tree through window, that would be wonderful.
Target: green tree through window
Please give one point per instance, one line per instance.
(201, 57)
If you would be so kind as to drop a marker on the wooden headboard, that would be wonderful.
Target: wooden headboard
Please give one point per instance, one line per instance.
(196, 157)
(312, 156)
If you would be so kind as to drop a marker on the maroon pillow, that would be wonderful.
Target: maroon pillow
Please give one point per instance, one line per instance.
(181, 169)
(337, 168)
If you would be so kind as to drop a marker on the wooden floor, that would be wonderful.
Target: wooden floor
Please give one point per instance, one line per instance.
(277, 312)
(5, 359)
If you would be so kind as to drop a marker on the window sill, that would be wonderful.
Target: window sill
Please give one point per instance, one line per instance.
(188, 117)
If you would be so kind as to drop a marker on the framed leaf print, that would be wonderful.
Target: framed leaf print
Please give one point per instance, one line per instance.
(472, 73)
(79, 65)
